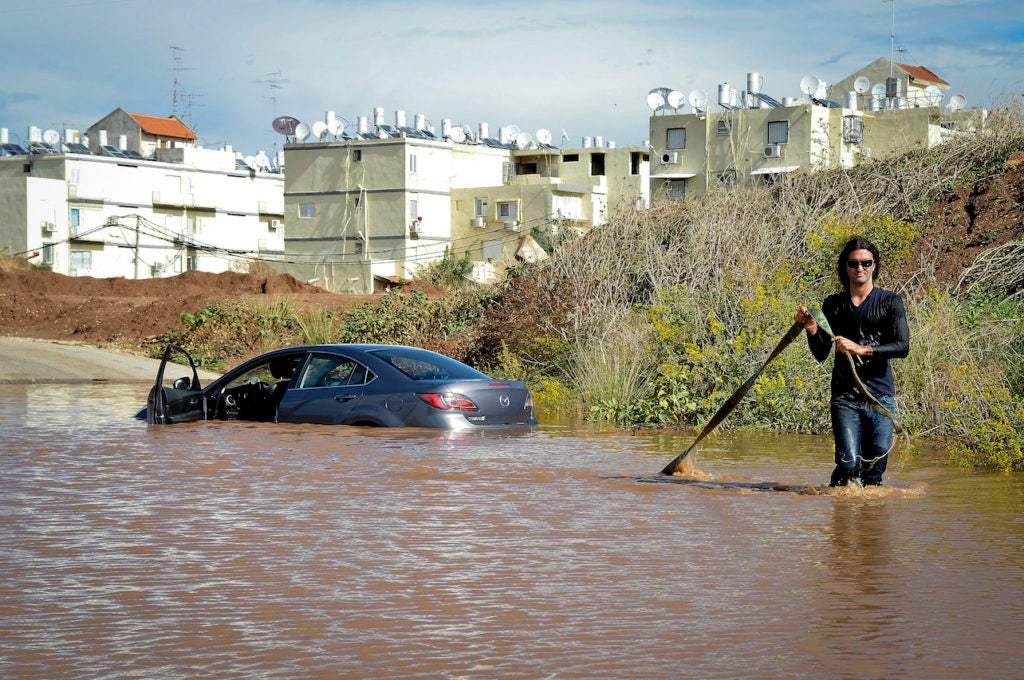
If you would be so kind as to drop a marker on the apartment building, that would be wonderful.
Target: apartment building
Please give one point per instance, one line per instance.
(145, 206)
(366, 209)
(750, 136)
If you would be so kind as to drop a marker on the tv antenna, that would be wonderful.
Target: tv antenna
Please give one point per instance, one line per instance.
(176, 68)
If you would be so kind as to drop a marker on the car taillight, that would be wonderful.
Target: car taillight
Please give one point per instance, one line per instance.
(448, 401)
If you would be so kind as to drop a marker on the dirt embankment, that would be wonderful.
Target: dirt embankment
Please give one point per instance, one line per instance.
(125, 313)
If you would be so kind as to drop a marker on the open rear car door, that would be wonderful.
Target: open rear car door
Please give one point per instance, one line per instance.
(182, 402)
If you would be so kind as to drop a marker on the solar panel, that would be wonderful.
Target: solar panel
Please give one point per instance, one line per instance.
(40, 147)
(12, 150)
(75, 147)
(112, 151)
(131, 153)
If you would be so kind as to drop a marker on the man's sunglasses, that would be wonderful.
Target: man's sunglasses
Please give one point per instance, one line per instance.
(866, 264)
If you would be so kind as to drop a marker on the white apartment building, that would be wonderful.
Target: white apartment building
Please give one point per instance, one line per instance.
(367, 208)
(158, 208)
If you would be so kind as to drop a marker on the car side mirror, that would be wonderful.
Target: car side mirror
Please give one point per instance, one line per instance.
(182, 384)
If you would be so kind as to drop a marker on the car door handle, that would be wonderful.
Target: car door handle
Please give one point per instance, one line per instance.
(344, 397)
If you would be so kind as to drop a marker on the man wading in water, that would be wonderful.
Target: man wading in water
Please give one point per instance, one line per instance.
(871, 325)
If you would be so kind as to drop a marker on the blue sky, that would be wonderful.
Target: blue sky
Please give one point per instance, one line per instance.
(581, 67)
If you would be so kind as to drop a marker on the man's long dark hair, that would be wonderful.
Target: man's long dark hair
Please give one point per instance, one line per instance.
(856, 243)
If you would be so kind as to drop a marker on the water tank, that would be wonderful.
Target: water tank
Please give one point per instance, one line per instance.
(419, 121)
(330, 119)
(378, 116)
(789, 101)
(103, 137)
(3, 136)
(588, 142)
(400, 118)
(875, 104)
(599, 141)
(754, 82)
(363, 125)
(485, 131)
(851, 100)
(723, 95)
(446, 127)
(35, 133)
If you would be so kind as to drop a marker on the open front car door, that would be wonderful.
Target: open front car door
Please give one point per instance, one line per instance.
(182, 401)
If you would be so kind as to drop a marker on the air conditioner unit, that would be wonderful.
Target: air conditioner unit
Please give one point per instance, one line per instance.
(512, 225)
(275, 224)
(670, 158)
(49, 227)
(476, 222)
(773, 151)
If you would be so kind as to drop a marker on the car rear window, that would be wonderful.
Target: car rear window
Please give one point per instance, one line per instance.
(420, 364)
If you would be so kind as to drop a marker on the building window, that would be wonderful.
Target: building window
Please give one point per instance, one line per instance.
(359, 247)
(571, 158)
(76, 220)
(778, 132)
(725, 127)
(307, 210)
(597, 164)
(47, 253)
(675, 138)
(480, 207)
(676, 189)
(414, 208)
(526, 169)
(192, 262)
(357, 155)
(81, 262)
(508, 210)
(412, 164)
(636, 160)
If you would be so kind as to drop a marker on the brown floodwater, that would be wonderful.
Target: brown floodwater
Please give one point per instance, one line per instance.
(223, 550)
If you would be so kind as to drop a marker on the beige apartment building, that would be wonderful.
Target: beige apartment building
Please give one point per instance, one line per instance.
(754, 137)
(365, 211)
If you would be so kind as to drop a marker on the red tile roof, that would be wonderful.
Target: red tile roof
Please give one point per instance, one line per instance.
(923, 74)
(163, 127)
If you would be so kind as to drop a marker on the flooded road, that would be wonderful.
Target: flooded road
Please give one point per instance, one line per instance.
(221, 550)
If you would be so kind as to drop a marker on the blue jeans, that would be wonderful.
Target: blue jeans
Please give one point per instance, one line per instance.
(862, 437)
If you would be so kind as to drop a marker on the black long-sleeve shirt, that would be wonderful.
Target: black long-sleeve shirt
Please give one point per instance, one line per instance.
(879, 321)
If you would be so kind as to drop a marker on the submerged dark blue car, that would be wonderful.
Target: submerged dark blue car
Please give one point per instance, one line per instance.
(375, 385)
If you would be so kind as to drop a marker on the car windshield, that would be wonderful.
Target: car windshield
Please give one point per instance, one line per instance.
(420, 364)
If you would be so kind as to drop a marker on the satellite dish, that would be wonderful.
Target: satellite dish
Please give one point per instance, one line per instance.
(457, 135)
(335, 127)
(933, 94)
(878, 90)
(809, 84)
(675, 99)
(861, 85)
(544, 137)
(655, 100)
(301, 131)
(250, 162)
(523, 140)
(51, 137)
(285, 125)
(956, 102)
(698, 99)
(262, 161)
(319, 129)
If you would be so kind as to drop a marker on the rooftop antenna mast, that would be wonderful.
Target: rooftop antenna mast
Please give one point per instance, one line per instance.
(892, 38)
(274, 86)
(175, 70)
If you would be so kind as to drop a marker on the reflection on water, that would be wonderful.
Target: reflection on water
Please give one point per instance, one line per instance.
(255, 550)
